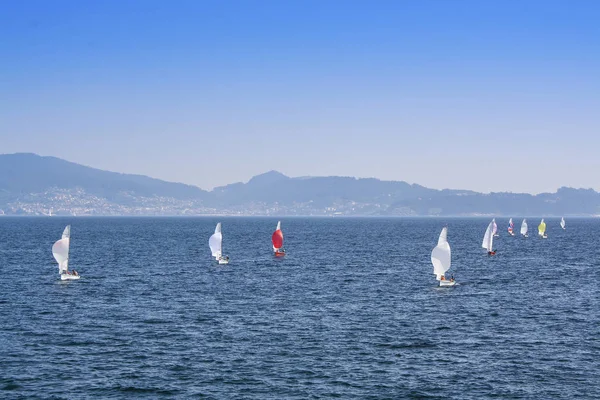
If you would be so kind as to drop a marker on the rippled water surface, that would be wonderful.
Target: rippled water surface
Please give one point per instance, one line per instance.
(351, 312)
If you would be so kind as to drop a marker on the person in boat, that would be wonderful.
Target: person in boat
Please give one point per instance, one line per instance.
(75, 273)
(443, 278)
(452, 278)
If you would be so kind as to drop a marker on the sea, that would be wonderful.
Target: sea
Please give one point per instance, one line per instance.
(353, 311)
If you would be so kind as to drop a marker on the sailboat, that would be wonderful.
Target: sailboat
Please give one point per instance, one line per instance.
(542, 229)
(510, 227)
(562, 222)
(60, 251)
(488, 239)
(441, 260)
(215, 242)
(277, 240)
(495, 231)
(524, 228)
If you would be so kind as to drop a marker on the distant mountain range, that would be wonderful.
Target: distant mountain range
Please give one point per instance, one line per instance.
(36, 185)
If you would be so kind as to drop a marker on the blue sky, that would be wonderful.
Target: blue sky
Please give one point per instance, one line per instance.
(482, 95)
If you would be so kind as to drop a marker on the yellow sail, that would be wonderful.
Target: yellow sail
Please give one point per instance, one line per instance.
(542, 228)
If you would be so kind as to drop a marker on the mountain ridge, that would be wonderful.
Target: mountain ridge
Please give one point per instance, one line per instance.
(35, 172)
(36, 185)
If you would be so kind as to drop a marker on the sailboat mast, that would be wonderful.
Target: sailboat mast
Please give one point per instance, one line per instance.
(68, 248)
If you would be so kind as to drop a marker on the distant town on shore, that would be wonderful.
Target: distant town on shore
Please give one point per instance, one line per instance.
(33, 185)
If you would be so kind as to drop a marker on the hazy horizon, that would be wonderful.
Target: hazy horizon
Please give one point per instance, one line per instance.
(293, 177)
(482, 96)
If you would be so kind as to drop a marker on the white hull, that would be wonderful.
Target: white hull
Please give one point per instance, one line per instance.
(511, 234)
(447, 283)
(223, 261)
(68, 277)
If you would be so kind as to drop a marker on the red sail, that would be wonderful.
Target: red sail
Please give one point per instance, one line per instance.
(277, 239)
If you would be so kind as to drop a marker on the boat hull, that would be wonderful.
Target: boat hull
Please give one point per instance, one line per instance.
(223, 261)
(68, 277)
(447, 283)
(279, 253)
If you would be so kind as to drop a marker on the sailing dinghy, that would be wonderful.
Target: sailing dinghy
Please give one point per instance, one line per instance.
(524, 228)
(488, 239)
(215, 242)
(542, 229)
(60, 251)
(511, 227)
(440, 258)
(277, 240)
(562, 223)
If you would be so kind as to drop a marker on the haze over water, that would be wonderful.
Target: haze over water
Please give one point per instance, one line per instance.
(352, 311)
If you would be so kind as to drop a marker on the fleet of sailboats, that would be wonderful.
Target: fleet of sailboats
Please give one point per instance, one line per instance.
(215, 242)
(277, 239)
(440, 255)
(60, 251)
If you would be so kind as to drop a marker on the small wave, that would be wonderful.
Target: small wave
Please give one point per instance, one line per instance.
(133, 389)
(418, 344)
(11, 386)
(153, 321)
(205, 319)
(415, 394)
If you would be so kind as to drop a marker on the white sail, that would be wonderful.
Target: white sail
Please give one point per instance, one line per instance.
(278, 226)
(562, 222)
(67, 232)
(440, 255)
(60, 250)
(524, 227)
(488, 238)
(215, 242)
(495, 227)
